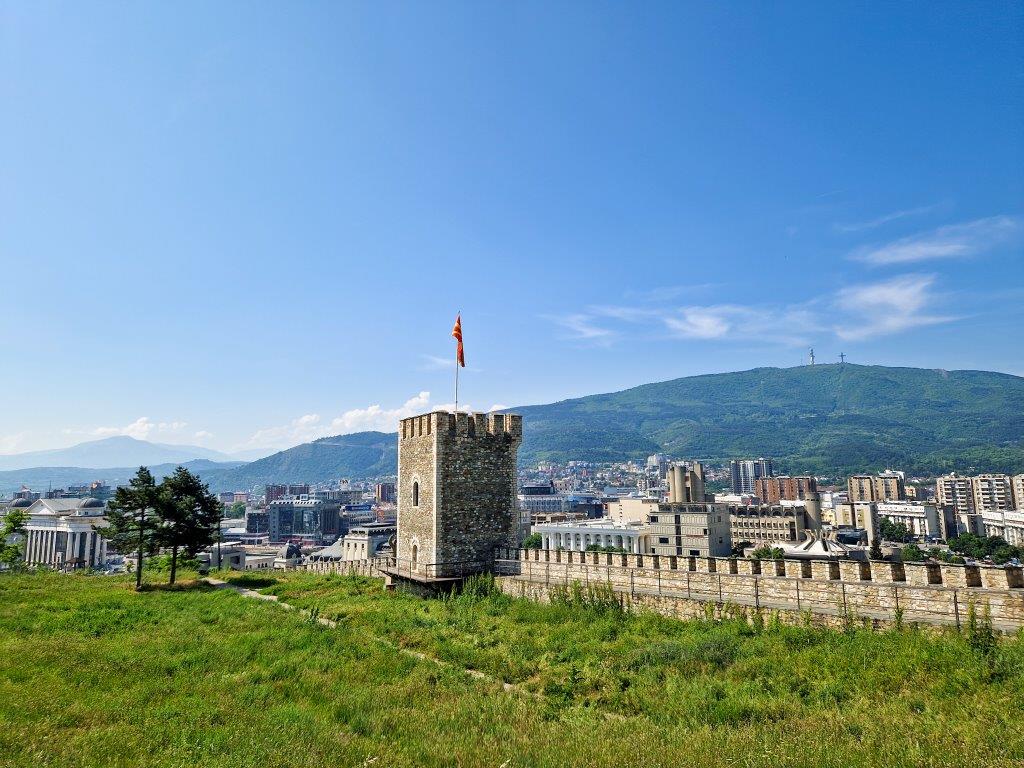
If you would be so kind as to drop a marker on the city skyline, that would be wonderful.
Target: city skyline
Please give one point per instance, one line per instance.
(245, 229)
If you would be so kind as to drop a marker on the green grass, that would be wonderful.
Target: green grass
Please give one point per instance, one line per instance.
(93, 674)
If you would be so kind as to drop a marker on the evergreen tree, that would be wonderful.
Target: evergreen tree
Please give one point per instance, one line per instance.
(132, 514)
(12, 528)
(189, 516)
(875, 553)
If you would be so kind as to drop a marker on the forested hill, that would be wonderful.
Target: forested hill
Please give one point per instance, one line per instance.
(828, 419)
(355, 456)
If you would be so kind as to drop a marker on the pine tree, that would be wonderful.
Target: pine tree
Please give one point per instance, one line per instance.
(189, 516)
(875, 553)
(133, 516)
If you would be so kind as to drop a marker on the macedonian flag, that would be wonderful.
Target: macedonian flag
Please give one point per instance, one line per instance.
(457, 335)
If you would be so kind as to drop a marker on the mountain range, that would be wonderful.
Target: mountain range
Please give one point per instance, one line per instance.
(823, 419)
(118, 451)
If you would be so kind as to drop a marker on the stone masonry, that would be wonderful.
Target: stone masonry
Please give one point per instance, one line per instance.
(456, 491)
(833, 592)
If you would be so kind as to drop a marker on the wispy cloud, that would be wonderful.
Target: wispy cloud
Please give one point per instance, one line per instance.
(954, 241)
(886, 219)
(888, 307)
(856, 312)
(582, 327)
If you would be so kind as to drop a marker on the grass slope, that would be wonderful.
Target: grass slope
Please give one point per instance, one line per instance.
(92, 674)
(829, 419)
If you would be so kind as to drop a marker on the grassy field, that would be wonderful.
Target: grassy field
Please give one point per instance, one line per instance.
(93, 674)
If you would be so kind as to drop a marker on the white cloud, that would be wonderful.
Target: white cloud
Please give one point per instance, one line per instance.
(886, 219)
(312, 427)
(202, 435)
(143, 428)
(701, 322)
(954, 241)
(887, 307)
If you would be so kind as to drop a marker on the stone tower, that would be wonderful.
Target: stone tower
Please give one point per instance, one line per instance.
(456, 491)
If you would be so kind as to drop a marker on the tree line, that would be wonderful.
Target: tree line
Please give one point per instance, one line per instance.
(178, 515)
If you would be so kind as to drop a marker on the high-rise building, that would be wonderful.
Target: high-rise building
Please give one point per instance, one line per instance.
(772, 490)
(744, 472)
(888, 486)
(1018, 491)
(384, 493)
(992, 493)
(957, 492)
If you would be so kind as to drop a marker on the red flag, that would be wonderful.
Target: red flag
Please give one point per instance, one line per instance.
(460, 355)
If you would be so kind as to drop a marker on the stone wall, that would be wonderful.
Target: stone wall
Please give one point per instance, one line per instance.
(836, 591)
(371, 568)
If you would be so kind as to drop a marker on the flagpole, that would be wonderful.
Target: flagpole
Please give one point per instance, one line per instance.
(459, 315)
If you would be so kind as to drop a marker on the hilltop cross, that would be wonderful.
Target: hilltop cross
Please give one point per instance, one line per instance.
(842, 357)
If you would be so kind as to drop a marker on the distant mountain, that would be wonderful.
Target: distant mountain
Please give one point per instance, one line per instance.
(42, 478)
(120, 451)
(356, 456)
(827, 419)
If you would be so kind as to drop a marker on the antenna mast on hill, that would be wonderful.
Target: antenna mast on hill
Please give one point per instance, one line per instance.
(811, 356)
(842, 357)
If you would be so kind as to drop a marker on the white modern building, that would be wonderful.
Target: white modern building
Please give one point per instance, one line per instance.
(602, 532)
(1009, 525)
(920, 519)
(64, 533)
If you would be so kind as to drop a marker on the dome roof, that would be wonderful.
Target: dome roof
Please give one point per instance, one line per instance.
(90, 503)
(21, 503)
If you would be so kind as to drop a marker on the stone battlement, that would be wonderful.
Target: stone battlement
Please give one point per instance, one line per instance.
(462, 424)
(886, 592)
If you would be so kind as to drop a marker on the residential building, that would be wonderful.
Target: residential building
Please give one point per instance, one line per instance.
(744, 472)
(992, 493)
(957, 492)
(772, 490)
(1017, 482)
(887, 486)
(384, 493)
(923, 520)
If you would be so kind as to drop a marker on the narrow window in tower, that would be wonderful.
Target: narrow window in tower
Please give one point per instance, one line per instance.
(416, 494)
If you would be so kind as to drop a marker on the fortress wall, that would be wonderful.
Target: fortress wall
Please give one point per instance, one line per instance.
(878, 592)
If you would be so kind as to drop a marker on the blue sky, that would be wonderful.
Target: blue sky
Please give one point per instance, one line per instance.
(247, 224)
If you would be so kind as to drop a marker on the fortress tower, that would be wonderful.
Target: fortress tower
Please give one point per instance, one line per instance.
(456, 491)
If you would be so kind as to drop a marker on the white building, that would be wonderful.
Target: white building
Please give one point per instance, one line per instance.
(919, 518)
(1008, 525)
(361, 543)
(602, 532)
(64, 533)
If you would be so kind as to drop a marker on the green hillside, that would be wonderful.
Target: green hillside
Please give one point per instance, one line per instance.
(825, 418)
(361, 455)
(95, 675)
